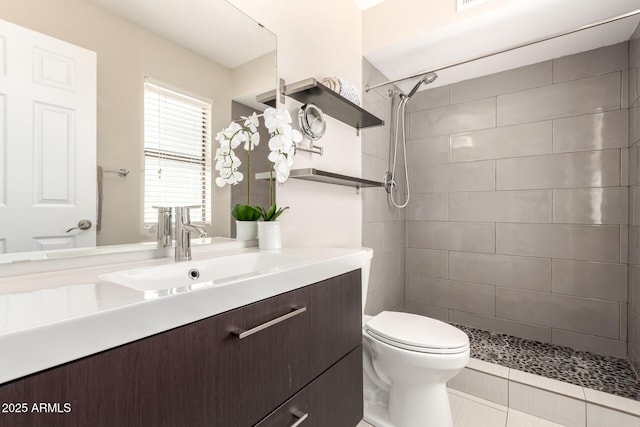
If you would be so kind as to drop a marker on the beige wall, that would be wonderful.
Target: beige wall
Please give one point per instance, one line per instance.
(126, 54)
(254, 77)
(519, 213)
(318, 41)
(634, 201)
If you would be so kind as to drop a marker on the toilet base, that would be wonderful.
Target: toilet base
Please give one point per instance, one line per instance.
(377, 415)
(412, 407)
(419, 405)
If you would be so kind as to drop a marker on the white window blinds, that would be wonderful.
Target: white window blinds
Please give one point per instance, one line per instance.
(177, 144)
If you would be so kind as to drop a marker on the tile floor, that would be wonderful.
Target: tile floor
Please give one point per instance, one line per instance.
(471, 411)
(581, 368)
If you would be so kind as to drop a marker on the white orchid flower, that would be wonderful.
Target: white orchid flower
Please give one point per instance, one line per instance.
(251, 122)
(276, 118)
(234, 135)
(235, 178)
(282, 145)
(252, 141)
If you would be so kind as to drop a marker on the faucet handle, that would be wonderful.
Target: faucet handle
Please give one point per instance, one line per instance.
(162, 208)
(186, 208)
(163, 227)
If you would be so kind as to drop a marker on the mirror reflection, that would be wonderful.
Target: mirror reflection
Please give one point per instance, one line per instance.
(109, 108)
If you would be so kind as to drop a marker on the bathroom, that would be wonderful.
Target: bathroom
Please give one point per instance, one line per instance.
(492, 239)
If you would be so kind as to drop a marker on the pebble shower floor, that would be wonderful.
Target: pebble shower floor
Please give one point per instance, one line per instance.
(603, 373)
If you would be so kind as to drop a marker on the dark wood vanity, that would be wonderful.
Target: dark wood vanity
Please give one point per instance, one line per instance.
(293, 359)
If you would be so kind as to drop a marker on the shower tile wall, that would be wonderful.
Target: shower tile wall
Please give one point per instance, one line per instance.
(634, 199)
(383, 225)
(519, 214)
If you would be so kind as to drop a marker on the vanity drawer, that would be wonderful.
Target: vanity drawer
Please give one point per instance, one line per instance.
(203, 373)
(280, 360)
(333, 399)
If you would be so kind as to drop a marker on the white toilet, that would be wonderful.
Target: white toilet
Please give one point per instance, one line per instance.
(408, 360)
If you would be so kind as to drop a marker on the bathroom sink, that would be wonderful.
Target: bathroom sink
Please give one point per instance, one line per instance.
(207, 272)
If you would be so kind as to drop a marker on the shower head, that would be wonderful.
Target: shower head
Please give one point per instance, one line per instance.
(426, 79)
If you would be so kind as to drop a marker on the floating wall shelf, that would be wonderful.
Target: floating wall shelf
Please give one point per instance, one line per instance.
(267, 98)
(310, 174)
(310, 91)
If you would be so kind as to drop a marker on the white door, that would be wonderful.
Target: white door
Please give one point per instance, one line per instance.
(47, 142)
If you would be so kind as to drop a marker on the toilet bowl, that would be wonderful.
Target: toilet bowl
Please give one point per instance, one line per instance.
(407, 361)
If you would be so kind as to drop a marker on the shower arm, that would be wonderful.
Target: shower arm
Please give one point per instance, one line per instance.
(518, 46)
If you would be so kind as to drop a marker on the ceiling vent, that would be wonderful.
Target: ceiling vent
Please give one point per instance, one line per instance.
(466, 4)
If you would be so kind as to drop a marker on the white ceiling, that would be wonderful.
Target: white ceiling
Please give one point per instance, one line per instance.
(516, 23)
(204, 26)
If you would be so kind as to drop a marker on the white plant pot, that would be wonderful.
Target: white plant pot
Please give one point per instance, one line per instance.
(269, 235)
(246, 230)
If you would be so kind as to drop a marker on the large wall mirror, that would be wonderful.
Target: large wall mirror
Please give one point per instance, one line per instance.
(74, 116)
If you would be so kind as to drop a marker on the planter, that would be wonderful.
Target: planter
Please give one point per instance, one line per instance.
(269, 235)
(246, 230)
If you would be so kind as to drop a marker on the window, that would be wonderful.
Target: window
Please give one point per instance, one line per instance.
(177, 144)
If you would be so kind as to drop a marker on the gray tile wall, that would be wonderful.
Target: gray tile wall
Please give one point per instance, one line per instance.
(383, 225)
(519, 214)
(634, 201)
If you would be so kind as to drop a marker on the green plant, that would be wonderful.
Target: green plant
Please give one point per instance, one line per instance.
(246, 212)
(273, 212)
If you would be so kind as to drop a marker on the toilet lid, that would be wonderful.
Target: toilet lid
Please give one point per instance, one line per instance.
(417, 333)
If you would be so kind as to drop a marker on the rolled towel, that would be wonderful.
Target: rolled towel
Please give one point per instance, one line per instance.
(349, 91)
(332, 83)
(328, 83)
(345, 88)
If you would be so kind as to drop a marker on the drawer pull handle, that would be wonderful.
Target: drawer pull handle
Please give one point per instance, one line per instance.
(300, 416)
(241, 333)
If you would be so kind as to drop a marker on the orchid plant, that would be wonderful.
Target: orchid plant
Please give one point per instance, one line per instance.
(282, 146)
(227, 162)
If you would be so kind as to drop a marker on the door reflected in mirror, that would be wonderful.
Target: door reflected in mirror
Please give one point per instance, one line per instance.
(75, 116)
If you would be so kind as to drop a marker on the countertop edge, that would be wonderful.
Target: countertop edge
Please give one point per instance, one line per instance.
(44, 346)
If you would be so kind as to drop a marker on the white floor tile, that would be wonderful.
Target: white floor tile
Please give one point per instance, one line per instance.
(472, 413)
(521, 419)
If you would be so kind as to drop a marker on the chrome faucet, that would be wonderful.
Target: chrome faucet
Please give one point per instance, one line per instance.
(183, 232)
(163, 231)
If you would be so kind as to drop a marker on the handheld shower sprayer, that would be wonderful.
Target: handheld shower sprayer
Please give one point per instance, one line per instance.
(390, 184)
(426, 79)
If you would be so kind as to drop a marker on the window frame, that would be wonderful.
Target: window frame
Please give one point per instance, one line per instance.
(202, 160)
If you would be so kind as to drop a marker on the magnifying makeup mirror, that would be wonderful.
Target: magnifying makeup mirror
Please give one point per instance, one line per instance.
(312, 123)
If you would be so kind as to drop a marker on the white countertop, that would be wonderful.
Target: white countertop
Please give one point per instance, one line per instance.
(51, 318)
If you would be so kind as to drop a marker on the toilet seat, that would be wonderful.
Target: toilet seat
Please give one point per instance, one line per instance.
(417, 333)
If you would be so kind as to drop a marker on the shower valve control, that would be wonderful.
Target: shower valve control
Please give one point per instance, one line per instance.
(388, 181)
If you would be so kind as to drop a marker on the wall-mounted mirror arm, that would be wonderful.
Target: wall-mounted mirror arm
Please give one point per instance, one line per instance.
(314, 149)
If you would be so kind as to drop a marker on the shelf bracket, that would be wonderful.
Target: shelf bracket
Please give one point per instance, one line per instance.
(282, 90)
